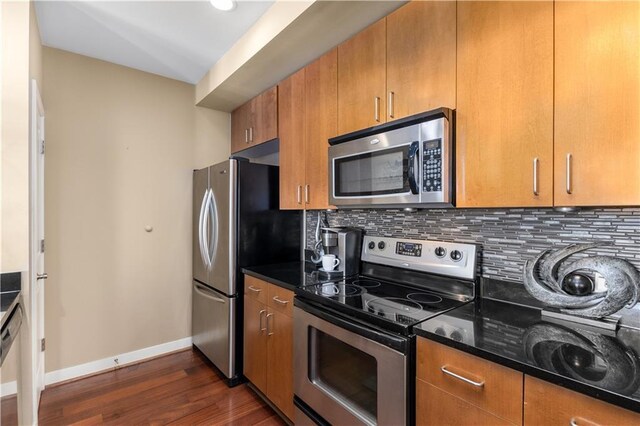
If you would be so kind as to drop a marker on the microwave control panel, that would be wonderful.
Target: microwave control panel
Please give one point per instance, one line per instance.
(432, 165)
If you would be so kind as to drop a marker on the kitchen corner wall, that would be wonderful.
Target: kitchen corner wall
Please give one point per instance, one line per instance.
(121, 147)
(508, 237)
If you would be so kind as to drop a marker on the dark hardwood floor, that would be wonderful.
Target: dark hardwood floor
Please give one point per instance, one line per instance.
(178, 389)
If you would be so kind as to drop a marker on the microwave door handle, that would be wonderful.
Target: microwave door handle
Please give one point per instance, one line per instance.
(414, 154)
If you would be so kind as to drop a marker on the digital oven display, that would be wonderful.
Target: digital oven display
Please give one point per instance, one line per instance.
(409, 249)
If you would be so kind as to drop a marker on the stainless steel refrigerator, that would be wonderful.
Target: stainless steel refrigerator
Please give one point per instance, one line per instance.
(236, 223)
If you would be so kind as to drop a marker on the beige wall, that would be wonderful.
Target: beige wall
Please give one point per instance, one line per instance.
(121, 146)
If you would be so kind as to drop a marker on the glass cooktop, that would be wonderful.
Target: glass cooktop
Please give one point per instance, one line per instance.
(393, 306)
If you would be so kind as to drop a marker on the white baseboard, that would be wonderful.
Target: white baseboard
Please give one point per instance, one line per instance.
(109, 363)
(8, 388)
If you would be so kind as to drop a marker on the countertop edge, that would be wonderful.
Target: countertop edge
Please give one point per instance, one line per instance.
(565, 382)
(279, 283)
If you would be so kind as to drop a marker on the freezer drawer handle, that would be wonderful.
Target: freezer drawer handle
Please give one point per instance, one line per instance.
(206, 293)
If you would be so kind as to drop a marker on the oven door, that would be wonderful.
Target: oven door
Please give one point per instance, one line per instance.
(345, 375)
(383, 169)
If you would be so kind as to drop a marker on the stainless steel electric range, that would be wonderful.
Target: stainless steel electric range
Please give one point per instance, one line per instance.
(354, 336)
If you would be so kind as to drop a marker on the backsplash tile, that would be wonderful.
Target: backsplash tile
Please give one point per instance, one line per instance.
(507, 237)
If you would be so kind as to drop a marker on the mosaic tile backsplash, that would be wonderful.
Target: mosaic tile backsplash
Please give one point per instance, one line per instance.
(507, 237)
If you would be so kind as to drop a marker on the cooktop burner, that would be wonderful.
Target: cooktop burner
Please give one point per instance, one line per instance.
(366, 283)
(424, 298)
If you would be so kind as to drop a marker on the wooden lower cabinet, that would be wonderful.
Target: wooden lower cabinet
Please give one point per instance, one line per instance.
(280, 362)
(437, 407)
(549, 404)
(497, 389)
(255, 342)
(268, 343)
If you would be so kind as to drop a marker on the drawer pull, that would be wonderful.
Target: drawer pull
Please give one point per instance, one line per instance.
(459, 377)
(573, 422)
(257, 290)
(282, 302)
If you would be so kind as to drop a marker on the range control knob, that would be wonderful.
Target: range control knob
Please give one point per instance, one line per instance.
(456, 255)
(381, 245)
(440, 251)
(372, 245)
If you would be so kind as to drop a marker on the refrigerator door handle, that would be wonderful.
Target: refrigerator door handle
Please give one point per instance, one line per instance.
(201, 236)
(212, 246)
(205, 230)
(204, 292)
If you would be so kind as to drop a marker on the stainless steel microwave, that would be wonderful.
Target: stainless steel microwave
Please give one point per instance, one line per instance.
(407, 163)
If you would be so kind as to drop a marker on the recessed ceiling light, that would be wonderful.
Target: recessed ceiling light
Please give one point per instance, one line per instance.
(225, 5)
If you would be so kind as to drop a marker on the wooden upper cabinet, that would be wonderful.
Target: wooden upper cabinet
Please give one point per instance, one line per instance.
(504, 146)
(548, 404)
(291, 124)
(239, 127)
(321, 81)
(597, 103)
(265, 122)
(361, 79)
(256, 121)
(421, 58)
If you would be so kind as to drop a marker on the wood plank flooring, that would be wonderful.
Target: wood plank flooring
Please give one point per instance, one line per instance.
(177, 389)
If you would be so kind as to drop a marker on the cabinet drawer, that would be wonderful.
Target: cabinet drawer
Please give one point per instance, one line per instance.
(545, 404)
(437, 407)
(280, 300)
(482, 383)
(255, 288)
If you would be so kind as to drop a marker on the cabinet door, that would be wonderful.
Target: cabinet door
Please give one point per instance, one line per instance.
(548, 404)
(265, 121)
(280, 362)
(240, 127)
(321, 83)
(291, 123)
(421, 58)
(361, 79)
(505, 104)
(255, 343)
(437, 407)
(597, 103)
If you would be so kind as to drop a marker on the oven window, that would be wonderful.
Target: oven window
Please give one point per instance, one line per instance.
(375, 173)
(346, 372)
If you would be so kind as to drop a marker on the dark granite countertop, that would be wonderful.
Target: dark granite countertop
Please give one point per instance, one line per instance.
(598, 363)
(288, 275)
(10, 286)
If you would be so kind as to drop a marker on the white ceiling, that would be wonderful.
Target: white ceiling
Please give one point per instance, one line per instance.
(175, 39)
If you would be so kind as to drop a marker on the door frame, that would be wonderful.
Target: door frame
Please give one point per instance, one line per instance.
(36, 233)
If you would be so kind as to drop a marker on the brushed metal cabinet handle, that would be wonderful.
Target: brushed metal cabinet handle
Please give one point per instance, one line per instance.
(535, 176)
(306, 194)
(573, 422)
(252, 288)
(282, 302)
(269, 333)
(569, 158)
(250, 134)
(459, 377)
(246, 135)
(376, 108)
(262, 312)
(391, 96)
(299, 197)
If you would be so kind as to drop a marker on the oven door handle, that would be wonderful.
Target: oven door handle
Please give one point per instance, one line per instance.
(414, 154)
(400, 344)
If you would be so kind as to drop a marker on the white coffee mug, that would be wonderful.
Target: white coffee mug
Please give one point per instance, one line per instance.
(329, 262)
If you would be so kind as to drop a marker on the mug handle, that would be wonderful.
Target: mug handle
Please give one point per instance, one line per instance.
(336, 262)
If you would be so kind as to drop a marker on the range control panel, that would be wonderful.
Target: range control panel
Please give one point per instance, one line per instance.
(437, 257)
